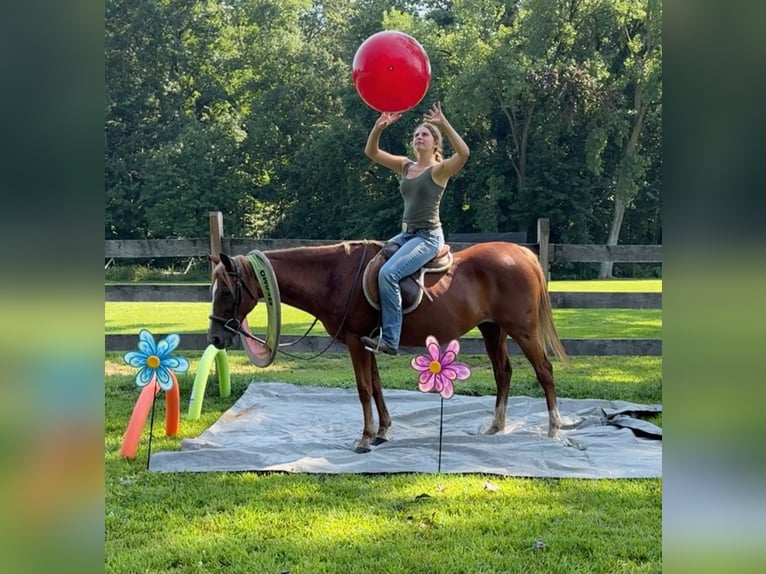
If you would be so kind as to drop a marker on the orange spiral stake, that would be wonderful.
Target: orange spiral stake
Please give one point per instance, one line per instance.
(157, 373)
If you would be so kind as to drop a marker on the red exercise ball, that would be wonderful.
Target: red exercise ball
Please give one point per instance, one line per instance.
(391, 71)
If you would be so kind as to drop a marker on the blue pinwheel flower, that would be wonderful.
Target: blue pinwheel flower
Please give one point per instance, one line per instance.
(156, 360)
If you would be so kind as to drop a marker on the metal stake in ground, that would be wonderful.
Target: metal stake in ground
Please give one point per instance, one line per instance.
(438, 371)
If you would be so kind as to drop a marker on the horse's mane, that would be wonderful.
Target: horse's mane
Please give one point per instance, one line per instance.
(348, 245)
(220, 274)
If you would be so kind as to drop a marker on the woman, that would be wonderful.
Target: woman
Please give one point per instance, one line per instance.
(422, 184)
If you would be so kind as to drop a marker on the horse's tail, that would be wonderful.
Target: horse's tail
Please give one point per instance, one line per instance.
(546, 332)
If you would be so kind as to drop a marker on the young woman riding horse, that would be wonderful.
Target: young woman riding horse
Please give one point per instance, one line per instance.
(422, 186)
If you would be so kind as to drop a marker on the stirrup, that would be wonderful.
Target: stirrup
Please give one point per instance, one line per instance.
(376, 345)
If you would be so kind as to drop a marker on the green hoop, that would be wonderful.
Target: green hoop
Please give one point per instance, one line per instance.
(264, 272)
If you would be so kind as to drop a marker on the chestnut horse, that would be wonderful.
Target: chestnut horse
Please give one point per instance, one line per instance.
(498, 287)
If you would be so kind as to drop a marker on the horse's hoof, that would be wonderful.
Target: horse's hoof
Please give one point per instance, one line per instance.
(571, 424)
(494, 429)
(361, 448)
(379, 440)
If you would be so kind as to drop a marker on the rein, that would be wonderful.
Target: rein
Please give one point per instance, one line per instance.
(299, 339)
(345, 313)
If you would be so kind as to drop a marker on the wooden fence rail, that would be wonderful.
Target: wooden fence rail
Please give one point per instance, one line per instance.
(548, 253)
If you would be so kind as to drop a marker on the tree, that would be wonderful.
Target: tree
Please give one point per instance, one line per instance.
(522, 82)
(170, 90)
(640, 77)
(248, 107)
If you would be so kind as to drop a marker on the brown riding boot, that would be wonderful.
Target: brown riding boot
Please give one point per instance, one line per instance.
(377, 345)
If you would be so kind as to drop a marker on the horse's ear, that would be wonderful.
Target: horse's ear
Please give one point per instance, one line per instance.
(228, 264)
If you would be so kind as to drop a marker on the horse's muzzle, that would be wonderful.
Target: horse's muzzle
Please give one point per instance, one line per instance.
(220, 341)
(222, 331)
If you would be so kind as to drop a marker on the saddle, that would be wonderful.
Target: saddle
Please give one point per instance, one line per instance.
(412, 286)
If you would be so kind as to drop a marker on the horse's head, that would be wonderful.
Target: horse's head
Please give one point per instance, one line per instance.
(235, 293)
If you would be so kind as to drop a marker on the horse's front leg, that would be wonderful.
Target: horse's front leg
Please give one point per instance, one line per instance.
(361, 360)
(384, 419)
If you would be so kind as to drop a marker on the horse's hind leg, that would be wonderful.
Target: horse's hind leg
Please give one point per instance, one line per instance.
(384, 419)
(497, 350)
(534, 351)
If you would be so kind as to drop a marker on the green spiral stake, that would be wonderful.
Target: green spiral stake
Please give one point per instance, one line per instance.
(221, 359)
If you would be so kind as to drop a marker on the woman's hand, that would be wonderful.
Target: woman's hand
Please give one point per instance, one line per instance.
(435, 116)
(372, 148)
(386, 119)
(453, 164)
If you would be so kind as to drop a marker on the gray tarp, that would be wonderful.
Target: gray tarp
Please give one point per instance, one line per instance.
(284, 427)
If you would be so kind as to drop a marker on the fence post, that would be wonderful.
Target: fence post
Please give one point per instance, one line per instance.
(216, 234)
(543, 242)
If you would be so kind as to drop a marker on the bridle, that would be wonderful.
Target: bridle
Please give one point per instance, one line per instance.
(233, 324)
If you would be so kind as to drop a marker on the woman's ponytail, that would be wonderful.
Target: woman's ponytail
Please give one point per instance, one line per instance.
(437, 140)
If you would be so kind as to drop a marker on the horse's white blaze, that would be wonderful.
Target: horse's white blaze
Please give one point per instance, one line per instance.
(213, 290)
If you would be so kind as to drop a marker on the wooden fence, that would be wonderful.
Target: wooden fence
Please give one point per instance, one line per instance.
(548, 253)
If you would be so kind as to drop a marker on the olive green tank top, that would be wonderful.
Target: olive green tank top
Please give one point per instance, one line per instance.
(421, 200)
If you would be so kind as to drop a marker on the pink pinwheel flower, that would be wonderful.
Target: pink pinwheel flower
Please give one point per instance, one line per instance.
(437, 370)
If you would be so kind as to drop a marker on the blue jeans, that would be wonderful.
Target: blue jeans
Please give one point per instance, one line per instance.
(415, 250)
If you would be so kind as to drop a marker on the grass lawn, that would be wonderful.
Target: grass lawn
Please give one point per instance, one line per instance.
(126, 317)
(273, 523)
(262, 522)
(609, 286)
(302, 523)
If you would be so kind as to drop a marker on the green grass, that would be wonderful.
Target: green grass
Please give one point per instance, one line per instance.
(636, 379)
(126, 318)
(261, 522)
(303, 523)
(244, 523)
(609, 285)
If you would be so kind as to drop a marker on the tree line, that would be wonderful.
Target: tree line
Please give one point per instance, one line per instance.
(247, 107)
